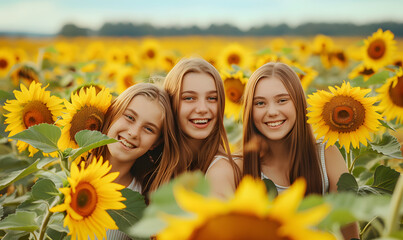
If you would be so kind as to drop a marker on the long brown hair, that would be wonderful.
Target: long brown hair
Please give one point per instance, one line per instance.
(304, 156)
(167, 164)
(218, 137)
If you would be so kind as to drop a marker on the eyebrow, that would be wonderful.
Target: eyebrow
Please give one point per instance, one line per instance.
(276, 96)
(136, 115)
(194, 92)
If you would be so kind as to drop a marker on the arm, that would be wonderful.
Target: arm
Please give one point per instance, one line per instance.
(335, 167)
(221, 179)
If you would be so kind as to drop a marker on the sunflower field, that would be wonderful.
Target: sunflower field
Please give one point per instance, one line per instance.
(54, 94)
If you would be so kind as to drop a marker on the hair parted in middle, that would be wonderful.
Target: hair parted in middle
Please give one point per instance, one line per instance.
(302, 143)
(218, 138)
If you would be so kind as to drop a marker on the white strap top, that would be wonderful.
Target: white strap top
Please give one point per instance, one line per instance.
(325, 179)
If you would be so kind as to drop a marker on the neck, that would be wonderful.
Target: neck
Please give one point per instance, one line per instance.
(125, 177)
(278, 153)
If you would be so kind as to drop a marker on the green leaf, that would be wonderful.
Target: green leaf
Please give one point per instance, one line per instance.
(42, 136)
(44, 189)
(385, 179)
(163, 201)
(88, 140)
(22, 221)
(387, 145)
(127, 217)
(17, 175)
(354, 208)
(378, 78)
(347, 183)
(271, 188)
(387, 125)
(16, 235)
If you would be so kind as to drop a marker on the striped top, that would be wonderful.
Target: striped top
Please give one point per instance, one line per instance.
(325, 179)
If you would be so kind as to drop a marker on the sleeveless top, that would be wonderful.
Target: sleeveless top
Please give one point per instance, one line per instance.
(116, 234)
(325, 179)
(217, 158)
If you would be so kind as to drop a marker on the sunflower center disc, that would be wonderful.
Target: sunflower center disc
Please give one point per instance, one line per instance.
(89, 117)
(233, 89)
(238, 226)
(35, 113)
(343, 114)
(396, 93)
(376, 49)
(84, 200)
(3, 64)
(234, 59)
(150, 54)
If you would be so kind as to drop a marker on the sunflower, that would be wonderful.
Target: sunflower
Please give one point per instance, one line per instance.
(234, 54)
(277, 44)
(7, 60)
(361, 70)
(339, 58)
(234, 85)
(86, 111)
(307, 75)
(91, 192)
(322, 45)
(126, 77)
(302, 49)
(150, 53)
(31, 107)
(248, 215)
(24, 74)
(345, 114)
(391, 95)
(379, 49)
(94, 51)
(263, 59)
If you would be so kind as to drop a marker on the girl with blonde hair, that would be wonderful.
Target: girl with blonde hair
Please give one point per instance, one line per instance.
(197, 96)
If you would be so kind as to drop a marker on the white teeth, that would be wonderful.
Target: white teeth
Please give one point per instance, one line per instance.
(275, 124)
(200, 121)
(127, 144)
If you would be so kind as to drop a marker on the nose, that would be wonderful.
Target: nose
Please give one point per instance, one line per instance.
(201, 107)
(133, 131)
(272, 110)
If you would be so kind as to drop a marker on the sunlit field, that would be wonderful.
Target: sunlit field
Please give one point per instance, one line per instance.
(40, 78)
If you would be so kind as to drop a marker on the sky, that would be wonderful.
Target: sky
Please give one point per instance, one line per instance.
(48, 16)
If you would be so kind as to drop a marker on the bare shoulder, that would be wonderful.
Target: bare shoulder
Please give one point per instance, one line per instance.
(335, 166)
(221, 178)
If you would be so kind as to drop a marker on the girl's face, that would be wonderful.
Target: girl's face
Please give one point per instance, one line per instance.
(274, 113)
(137, 129)
(198, 105)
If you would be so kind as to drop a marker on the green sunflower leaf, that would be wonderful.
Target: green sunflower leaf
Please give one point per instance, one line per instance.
(385, 179)
(135, 205)
(88, 140)
(17, 175)
(42, 136)
(20, 221)
(347, 183)
(44, 189)
(387, 145)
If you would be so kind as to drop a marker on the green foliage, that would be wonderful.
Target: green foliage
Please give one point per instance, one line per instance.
(21, 221)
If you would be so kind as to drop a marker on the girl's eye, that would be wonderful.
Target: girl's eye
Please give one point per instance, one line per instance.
(212, 99)
(131, 118)
(188, 98)
(283, 100)
(148, 129)
(259, 103)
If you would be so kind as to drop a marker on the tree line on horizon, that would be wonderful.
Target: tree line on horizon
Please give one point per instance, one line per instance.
(306, 29)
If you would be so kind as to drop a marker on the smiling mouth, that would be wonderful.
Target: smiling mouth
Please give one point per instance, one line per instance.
(275, 124)
(126, 143)
(200, 121)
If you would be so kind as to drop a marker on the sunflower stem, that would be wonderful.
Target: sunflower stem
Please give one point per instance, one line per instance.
(392, 222)
(349, 156)
(47, 218)
(63, 162)
(366, 227)
(350, 169)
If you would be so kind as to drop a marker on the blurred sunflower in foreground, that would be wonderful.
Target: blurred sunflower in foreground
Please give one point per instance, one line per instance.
(391, 95)
(343, 114)
(86, 111)
(31, 107)
(234, 85)
(248, 215)
(378, 50)
(91, 192)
